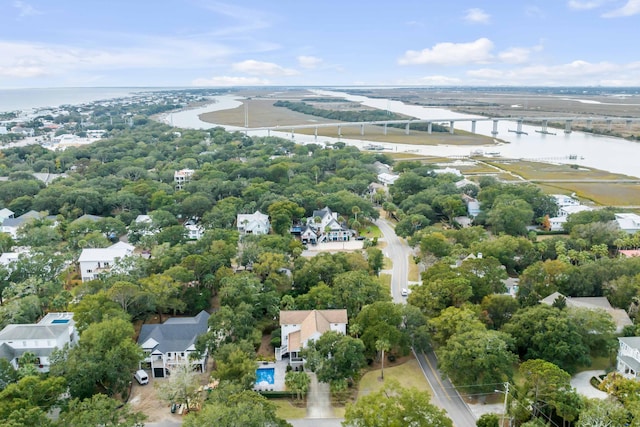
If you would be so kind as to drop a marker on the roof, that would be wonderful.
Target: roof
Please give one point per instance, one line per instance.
(117, 250)
(296, 317)
(628, 221)
(633, 342)
(321, 212)
(33, 332)
(176, 334)
(91, 217)
(630, 362)
(5, 213)
(630, 252)
(619, 316)
(311, 322)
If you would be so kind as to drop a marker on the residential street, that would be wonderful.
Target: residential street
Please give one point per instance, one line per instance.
(444, 394)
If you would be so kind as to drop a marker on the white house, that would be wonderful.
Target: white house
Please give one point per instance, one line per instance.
(182, 177)
(557, 223)
(298, 327)
(255, 223)
(11, 225)
(94, 261)
(629, 357)
(5, 213)
(571, 209)
(628, 222)
(170, 343)
(464, 182)
(387, 178)
(563, 200)
(194, 230)
(447, 170)
(52, 332)
(325, 224)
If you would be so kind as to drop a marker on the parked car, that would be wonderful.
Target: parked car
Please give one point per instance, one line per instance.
(142, 377)
(404, 292)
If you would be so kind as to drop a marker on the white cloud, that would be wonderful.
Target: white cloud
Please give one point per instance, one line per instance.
(585, 5)
(309, 61)
(476, 52)
(631, 8)
(230, 81)
(518, 55)
(438, 81)
(259, 68)
(575, 73)
(25, 9)
(477, 16)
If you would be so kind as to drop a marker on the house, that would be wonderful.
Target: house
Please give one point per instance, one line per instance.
(5, 213)
(255, 223)
(387, 178)
(182, 177)
(628, 222)
(564, 200)
(12, 225)
(447, 170)
(618, 315)
(464, 182)
(54, 331)
(571, 209)
(94, 261)
(8, 258)
(629, 253)
(298, 327)
(325, 224)
(473, 205)
(557, 223)
(309, 236)
(194, 230)
(629, 357)
(171, 343)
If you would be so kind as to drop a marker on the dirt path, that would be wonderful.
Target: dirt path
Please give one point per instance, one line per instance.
(318, 399)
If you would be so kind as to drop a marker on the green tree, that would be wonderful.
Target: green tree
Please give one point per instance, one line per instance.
(99, 410)
(395, 406)
(182, 386)
(382, 346)
(242, 408)
(235, 364)
(479, 357)
(452, 321)
(297, 382)
(103, 361)
(355, 289)
(282, 214)
(510, 215)
(335, 357)
(603, 413)
(488, 420)
(31, 393)
(164, 293)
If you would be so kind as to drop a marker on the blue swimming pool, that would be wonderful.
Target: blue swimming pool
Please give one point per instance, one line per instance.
(264, 376)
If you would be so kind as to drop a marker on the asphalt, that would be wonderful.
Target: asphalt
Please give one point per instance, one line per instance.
(582, 383)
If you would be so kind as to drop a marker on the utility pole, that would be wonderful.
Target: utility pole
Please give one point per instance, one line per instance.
(506, 397)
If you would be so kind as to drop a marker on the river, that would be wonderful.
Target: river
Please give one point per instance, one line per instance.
(600, 152)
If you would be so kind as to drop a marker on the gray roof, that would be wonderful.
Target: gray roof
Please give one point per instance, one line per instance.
(630, 362)
(633, 342)
(176, 334)
(33, 332)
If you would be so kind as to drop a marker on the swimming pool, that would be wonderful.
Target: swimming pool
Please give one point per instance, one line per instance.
(264, 376)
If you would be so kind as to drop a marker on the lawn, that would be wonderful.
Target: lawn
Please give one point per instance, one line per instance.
(286, 410)
(385, 279)
(371, 231)
(408, 374)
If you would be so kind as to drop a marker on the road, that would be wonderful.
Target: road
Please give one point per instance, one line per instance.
(444, 394)
(399, 252)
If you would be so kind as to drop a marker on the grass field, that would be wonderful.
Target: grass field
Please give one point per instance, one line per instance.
(414, 271)
(286, 410)
(535, 170)
(407, 374)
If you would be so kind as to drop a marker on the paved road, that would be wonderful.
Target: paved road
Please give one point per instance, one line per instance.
(444, 394)
(399, 253)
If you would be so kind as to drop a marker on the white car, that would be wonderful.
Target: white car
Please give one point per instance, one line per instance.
(404, 292)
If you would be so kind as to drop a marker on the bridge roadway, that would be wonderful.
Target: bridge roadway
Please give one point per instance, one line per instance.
(544, 121)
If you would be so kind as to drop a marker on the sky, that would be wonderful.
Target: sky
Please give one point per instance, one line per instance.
(73, 43)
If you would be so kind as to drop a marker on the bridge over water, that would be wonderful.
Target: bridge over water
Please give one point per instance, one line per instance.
(450, 123)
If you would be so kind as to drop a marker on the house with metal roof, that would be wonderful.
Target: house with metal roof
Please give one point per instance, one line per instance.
(96, 261)
(629, 357)
(54, 331)
(169, 344)
(298, 327)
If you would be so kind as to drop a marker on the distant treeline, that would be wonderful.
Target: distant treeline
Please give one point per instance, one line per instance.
(344, 116)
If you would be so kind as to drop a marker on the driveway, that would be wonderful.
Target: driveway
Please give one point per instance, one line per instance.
(581, 382)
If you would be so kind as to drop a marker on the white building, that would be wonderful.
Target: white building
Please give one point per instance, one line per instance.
(328, 229)
(298, 327)
(52, 332)
(628, 222)
(182, 177)
(194, 230)
(387, 178)
(5, 214)
(255, 223)
(94, 262)
(571, 209)
(629, 357)
(563, 200)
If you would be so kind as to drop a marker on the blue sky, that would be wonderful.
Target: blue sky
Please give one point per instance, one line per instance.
(46, 43)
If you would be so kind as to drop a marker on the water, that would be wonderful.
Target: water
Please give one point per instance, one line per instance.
(265, 376)
(28, 99)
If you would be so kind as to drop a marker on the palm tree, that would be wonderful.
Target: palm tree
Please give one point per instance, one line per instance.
(382, 345)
